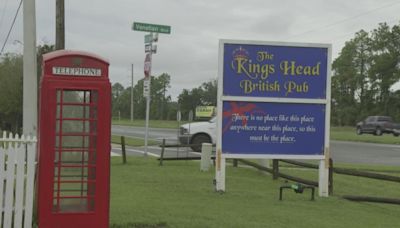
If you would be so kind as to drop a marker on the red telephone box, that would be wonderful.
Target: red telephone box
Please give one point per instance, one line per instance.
(74, 141)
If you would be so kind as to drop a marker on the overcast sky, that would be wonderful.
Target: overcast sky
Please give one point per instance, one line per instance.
(190, 53)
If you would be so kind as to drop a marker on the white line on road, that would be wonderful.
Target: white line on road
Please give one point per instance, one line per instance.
(114, 154)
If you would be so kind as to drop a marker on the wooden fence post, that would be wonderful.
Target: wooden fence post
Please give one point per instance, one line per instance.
(162, 152)
(235, 163)
(123, 149)
(330, 179)
(275, 169)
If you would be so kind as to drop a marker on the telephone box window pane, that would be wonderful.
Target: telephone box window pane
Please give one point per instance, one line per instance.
(72, 96)
(75, 141)
(73, 126)
(74, 189)
(58, 111)
(72, 158)
(76, 205)
(71, 111)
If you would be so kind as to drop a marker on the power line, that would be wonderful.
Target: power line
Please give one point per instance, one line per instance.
(4, 13)
(344, 36)
(11, 28)
(346, 19)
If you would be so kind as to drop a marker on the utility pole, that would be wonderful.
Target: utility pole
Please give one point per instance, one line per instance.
(132, 96)
(163, 102)
(60, 25)
(29, 122)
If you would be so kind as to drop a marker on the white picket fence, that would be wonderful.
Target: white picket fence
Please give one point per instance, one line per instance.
(17, 175)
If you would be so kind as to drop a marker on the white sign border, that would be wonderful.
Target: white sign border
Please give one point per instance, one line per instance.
(323, 159)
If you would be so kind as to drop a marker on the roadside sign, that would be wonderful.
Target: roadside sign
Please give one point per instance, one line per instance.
(146, 88)
(284, 94)
(273, 103)
(147, 66)
(148, 38)
(205, 111)
(144, 27)
(190, 118)
(154, 49)
(155, 37)
(147, 48)
(150, 48)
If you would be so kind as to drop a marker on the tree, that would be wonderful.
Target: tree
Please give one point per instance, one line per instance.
(349, 84)
(11, 93)
(384, 72)
(159, 86)
(206, 94)
(364, 75)
(117, 90)
(209, 96)
(160, 103)
(11, 76)
(41, 50)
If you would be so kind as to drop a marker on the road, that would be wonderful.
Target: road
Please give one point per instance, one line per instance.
(157, 134)
(342, 152)
(365, 153)
(139, 132)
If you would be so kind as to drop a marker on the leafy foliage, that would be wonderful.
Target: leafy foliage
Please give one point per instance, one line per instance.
(364, 76)
(11, 75)
(11, 92)
(206, 94)
(161, 107)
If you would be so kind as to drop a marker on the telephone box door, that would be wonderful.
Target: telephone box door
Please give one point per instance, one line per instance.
(74, 142)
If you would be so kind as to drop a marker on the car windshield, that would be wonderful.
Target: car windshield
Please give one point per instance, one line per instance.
(384, 118)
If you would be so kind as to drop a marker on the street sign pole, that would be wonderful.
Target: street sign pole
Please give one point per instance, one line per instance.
(148, 78)
(147, 124)
(149, 49)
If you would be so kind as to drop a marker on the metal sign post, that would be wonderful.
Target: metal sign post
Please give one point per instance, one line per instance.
(149, 39)
(146, 93)
(147, 122)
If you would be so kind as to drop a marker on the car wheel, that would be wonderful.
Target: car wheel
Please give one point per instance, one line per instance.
(378, 131)
(198, 140)
(359, 131)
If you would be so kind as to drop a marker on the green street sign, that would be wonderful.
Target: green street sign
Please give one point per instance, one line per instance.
(144, 27)
(148, 38)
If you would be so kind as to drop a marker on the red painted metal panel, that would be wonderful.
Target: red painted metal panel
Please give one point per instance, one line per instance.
(74, 141)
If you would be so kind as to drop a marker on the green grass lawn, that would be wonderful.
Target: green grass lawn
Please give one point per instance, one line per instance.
(144, 194)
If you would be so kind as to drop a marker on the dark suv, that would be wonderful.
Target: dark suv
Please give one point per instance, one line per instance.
(378, 125)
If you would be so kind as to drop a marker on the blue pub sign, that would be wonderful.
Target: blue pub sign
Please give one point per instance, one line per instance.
(274, 99)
